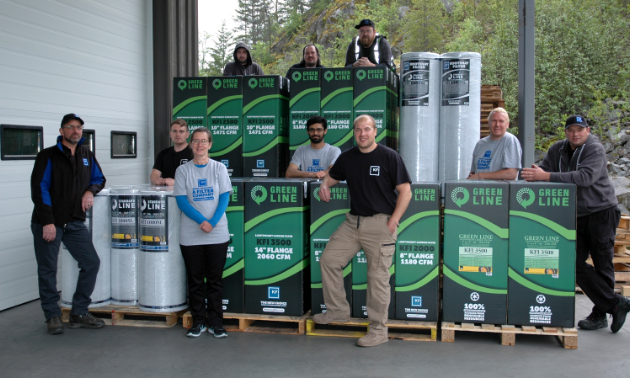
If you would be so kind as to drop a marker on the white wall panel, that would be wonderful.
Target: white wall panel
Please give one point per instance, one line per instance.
(89, 57)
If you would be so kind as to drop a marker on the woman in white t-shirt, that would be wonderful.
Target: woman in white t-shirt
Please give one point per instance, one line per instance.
(202, 189)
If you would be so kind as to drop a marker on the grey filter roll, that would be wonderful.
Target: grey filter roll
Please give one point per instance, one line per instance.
(420, 114)
(161, 271)
(124, 245)
(97, 221)
(460, 113)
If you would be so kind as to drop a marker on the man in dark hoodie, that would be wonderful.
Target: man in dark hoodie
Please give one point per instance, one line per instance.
(581, 159)
(310, 59)
(242, 64)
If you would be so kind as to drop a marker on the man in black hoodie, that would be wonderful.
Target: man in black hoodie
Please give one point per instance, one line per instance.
(581, 159)
(242, 64)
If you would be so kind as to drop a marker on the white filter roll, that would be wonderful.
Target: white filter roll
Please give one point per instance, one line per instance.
(460, 113)
(124, 276)
(101, 296)
(162, 273)
(419, 114)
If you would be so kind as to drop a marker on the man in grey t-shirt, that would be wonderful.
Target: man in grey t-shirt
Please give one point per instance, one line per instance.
(497, 156)
(314, 160)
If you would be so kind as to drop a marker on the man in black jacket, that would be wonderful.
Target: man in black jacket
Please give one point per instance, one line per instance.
(65, 179)
(581, 159)
(242, 64)
(310, 59)
(369, 49)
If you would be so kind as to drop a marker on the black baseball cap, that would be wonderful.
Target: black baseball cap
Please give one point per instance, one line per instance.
(69, 117)
(575, 120)
(365, 22)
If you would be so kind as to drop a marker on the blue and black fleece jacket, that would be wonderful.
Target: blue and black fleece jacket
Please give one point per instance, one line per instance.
(55, 189)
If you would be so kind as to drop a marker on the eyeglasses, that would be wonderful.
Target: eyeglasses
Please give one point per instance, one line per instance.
(199, 141)
(70, 127)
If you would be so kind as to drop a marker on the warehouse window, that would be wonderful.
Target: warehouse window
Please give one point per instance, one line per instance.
(90, 139)
(124, 144)
(21, 142)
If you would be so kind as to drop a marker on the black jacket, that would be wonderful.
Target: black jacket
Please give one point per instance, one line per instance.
(55, 191)
(586, 169)
(385, 52)
(235, 68)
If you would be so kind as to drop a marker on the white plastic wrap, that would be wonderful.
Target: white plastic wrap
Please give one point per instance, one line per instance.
(161, 272)
(460, 113)
(124, 245)
(419, 114)
(99, 220)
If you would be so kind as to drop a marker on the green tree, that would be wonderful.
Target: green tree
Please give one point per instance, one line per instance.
(204, 54)
(221, 53)
(428, 18)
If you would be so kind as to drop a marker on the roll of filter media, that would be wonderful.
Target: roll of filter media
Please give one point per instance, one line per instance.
(419, 114)
(161, 270)
(460, 113)
(124, 246)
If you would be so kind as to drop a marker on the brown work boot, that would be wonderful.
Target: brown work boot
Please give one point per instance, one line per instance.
(372, 339)
(326, 318)
(85, 321)
(54, 325)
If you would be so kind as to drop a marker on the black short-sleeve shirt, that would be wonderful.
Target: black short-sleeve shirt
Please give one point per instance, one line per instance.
(372, 178)
(168, 160)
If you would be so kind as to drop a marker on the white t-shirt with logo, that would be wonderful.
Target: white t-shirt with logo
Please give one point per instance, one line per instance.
(495, 155)
(309, 159)
(202, 187)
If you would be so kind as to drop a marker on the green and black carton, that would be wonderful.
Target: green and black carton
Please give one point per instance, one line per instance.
(359, 287)
(418, 255)
(277, 247)
(394, 131)
(475, 251)
(337, 106)
(371, 96)
(326, 217)
(265, 122)
(541, 285)
(303, 105)
(225, 121)
(189, 101)
(233, 285)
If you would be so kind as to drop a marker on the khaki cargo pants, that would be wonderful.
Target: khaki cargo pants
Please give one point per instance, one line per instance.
(371, 234)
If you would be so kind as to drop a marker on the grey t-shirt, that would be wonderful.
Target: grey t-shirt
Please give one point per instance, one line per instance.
(495, 155)
(309, 159)
(202, 187)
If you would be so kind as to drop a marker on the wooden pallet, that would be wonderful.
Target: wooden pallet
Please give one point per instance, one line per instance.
(358, 327)
(259, 323)
(128, 316)
(567, 336)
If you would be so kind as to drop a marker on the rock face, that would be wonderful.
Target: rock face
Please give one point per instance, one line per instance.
(622, 191)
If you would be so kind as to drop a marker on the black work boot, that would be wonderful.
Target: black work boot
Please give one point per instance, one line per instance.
(54, 325)
(595, 320)
(619, 313)
(85, 321)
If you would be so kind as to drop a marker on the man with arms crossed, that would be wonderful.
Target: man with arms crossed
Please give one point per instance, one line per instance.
(497, 156)
(315, 159)
(380, 192)
(65, 179)
(581, 159)
(170, 158)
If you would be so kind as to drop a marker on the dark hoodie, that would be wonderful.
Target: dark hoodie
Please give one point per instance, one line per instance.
(235, 68)
(586, 168)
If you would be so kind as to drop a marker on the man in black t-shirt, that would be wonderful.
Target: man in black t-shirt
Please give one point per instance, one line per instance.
(380, 192)
(169, 159)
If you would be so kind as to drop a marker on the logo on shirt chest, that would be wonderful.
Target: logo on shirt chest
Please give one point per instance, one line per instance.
(484, 162)
(315, 162)
(85, 162)
(183, 161)
(375, 170)
(202, 182)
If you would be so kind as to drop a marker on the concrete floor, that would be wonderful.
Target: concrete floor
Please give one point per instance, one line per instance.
(26, 350)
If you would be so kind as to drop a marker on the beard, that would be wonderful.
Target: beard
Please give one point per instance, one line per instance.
(315, 139)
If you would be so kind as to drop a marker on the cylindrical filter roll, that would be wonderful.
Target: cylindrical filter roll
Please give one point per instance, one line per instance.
(124, 245)
(460, 113)
(161, 271)
(420, 114)
(97, 222)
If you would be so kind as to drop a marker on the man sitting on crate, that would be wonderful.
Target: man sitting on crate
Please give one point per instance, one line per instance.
(380, 192)
(314, 160)
(497, 156)
(243, 65)
(581, 159)
(65, 179)
(310, 59)
(369, 49)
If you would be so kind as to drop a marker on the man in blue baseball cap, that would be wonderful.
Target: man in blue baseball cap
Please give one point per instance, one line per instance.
(369, 49)
(581, 159)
